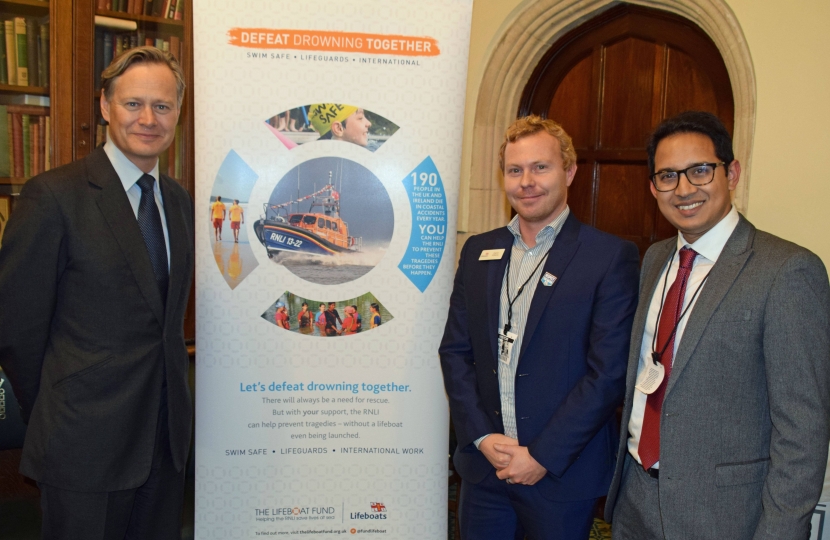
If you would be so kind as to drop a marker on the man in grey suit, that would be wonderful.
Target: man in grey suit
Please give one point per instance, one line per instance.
(95, 272)
(727, 408)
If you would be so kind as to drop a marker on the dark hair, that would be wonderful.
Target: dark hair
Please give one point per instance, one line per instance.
(374, 306)
(693, 122)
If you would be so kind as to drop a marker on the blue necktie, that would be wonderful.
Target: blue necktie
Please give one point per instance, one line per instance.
(149, 221)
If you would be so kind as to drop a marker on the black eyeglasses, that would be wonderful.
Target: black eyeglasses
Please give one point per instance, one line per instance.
(697, 175)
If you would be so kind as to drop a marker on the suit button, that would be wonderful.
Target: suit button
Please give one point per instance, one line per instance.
(524, 418)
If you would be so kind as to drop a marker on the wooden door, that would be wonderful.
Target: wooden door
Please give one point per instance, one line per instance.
(609, 82)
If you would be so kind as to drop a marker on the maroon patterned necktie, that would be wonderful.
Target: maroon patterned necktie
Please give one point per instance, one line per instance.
(649, 449)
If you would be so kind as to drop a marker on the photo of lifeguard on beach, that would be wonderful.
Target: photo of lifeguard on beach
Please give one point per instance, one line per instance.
(326, 318)
(329, 221)
(331, 122)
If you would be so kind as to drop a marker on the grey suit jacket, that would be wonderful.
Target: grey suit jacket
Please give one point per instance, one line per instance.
(746, 415)
(84, 336)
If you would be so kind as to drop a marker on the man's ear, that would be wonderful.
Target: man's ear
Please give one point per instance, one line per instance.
(337, 129)
(105, 108)
(733, 174)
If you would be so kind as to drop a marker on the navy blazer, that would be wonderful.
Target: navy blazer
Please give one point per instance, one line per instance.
(572, 363)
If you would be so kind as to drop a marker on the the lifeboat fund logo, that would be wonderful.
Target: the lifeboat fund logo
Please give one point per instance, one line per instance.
(377, 510)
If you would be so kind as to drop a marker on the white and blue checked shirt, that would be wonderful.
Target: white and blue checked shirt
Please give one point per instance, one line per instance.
(523, 261)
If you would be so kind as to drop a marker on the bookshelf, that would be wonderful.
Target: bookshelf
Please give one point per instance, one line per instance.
(116, 30)
(25, 91)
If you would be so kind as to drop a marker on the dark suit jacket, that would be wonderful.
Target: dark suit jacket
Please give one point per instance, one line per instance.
(746, 423)
(84, 336)
(572, 361)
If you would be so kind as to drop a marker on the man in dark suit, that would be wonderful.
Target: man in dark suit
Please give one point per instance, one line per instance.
(534, 350)
(95, 272)
(729, 439)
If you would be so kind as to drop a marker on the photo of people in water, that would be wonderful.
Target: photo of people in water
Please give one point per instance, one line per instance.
(329, 221)
(331, 122)
(327, 318)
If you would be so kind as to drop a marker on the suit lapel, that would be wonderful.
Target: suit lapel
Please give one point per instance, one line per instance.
(563, 250)
(495, 277)
(115, 206)
(723, 274)
(177, 233)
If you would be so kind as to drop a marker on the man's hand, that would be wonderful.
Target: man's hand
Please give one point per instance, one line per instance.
(521, 467)
(497, 458)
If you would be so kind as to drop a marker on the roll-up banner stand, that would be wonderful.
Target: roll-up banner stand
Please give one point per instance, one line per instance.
(328, 144)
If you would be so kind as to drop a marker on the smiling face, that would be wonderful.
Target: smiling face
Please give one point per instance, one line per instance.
(694, 210)
(355, 130)
(142, 112)
(535, 180)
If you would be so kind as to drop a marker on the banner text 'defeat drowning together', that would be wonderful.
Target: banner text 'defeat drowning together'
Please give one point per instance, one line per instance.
(313, 40)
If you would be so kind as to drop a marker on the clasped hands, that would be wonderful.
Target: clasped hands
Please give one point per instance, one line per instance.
(513, 463)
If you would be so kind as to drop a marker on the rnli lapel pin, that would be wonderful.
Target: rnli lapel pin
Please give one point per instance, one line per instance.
(548, 279)
(491, 255)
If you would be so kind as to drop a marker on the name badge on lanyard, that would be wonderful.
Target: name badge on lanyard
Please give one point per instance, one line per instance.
(506, 341)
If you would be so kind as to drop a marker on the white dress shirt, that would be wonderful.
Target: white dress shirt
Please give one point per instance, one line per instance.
(708, 248)
(129, 174)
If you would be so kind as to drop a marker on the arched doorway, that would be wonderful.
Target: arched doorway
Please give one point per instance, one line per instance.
(525, 36)
(609, 82)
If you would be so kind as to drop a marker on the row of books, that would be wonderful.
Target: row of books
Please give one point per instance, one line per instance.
(24, 52)
(170, 162)
(25, 132)
(167, 9)
(109, 45)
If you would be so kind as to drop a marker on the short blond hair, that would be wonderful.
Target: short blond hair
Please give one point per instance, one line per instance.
(142, 55)
(530, 125)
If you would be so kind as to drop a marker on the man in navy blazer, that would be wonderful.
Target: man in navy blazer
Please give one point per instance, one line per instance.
(534, 352)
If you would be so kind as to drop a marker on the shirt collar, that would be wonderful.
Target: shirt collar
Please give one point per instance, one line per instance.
(126, 170)
(712, 242)
(553, 228)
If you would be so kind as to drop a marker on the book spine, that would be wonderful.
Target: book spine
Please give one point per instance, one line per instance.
(47, 145)
(108, 49)
(5, 168)
(27, 146)
(4, 69)
(31, 50)
(11, 51)
(118, 44)
(34, 147)
(41, 144)
(158, 8)
(44, 53)
(179, 10)
(175, 45)
(22, 52)
(10, 122)
(101, 5)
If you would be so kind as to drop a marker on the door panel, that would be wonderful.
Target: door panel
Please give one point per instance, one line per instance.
(609, 82)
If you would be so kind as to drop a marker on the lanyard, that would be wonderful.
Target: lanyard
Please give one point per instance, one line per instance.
(522, 288)
(654, 354)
